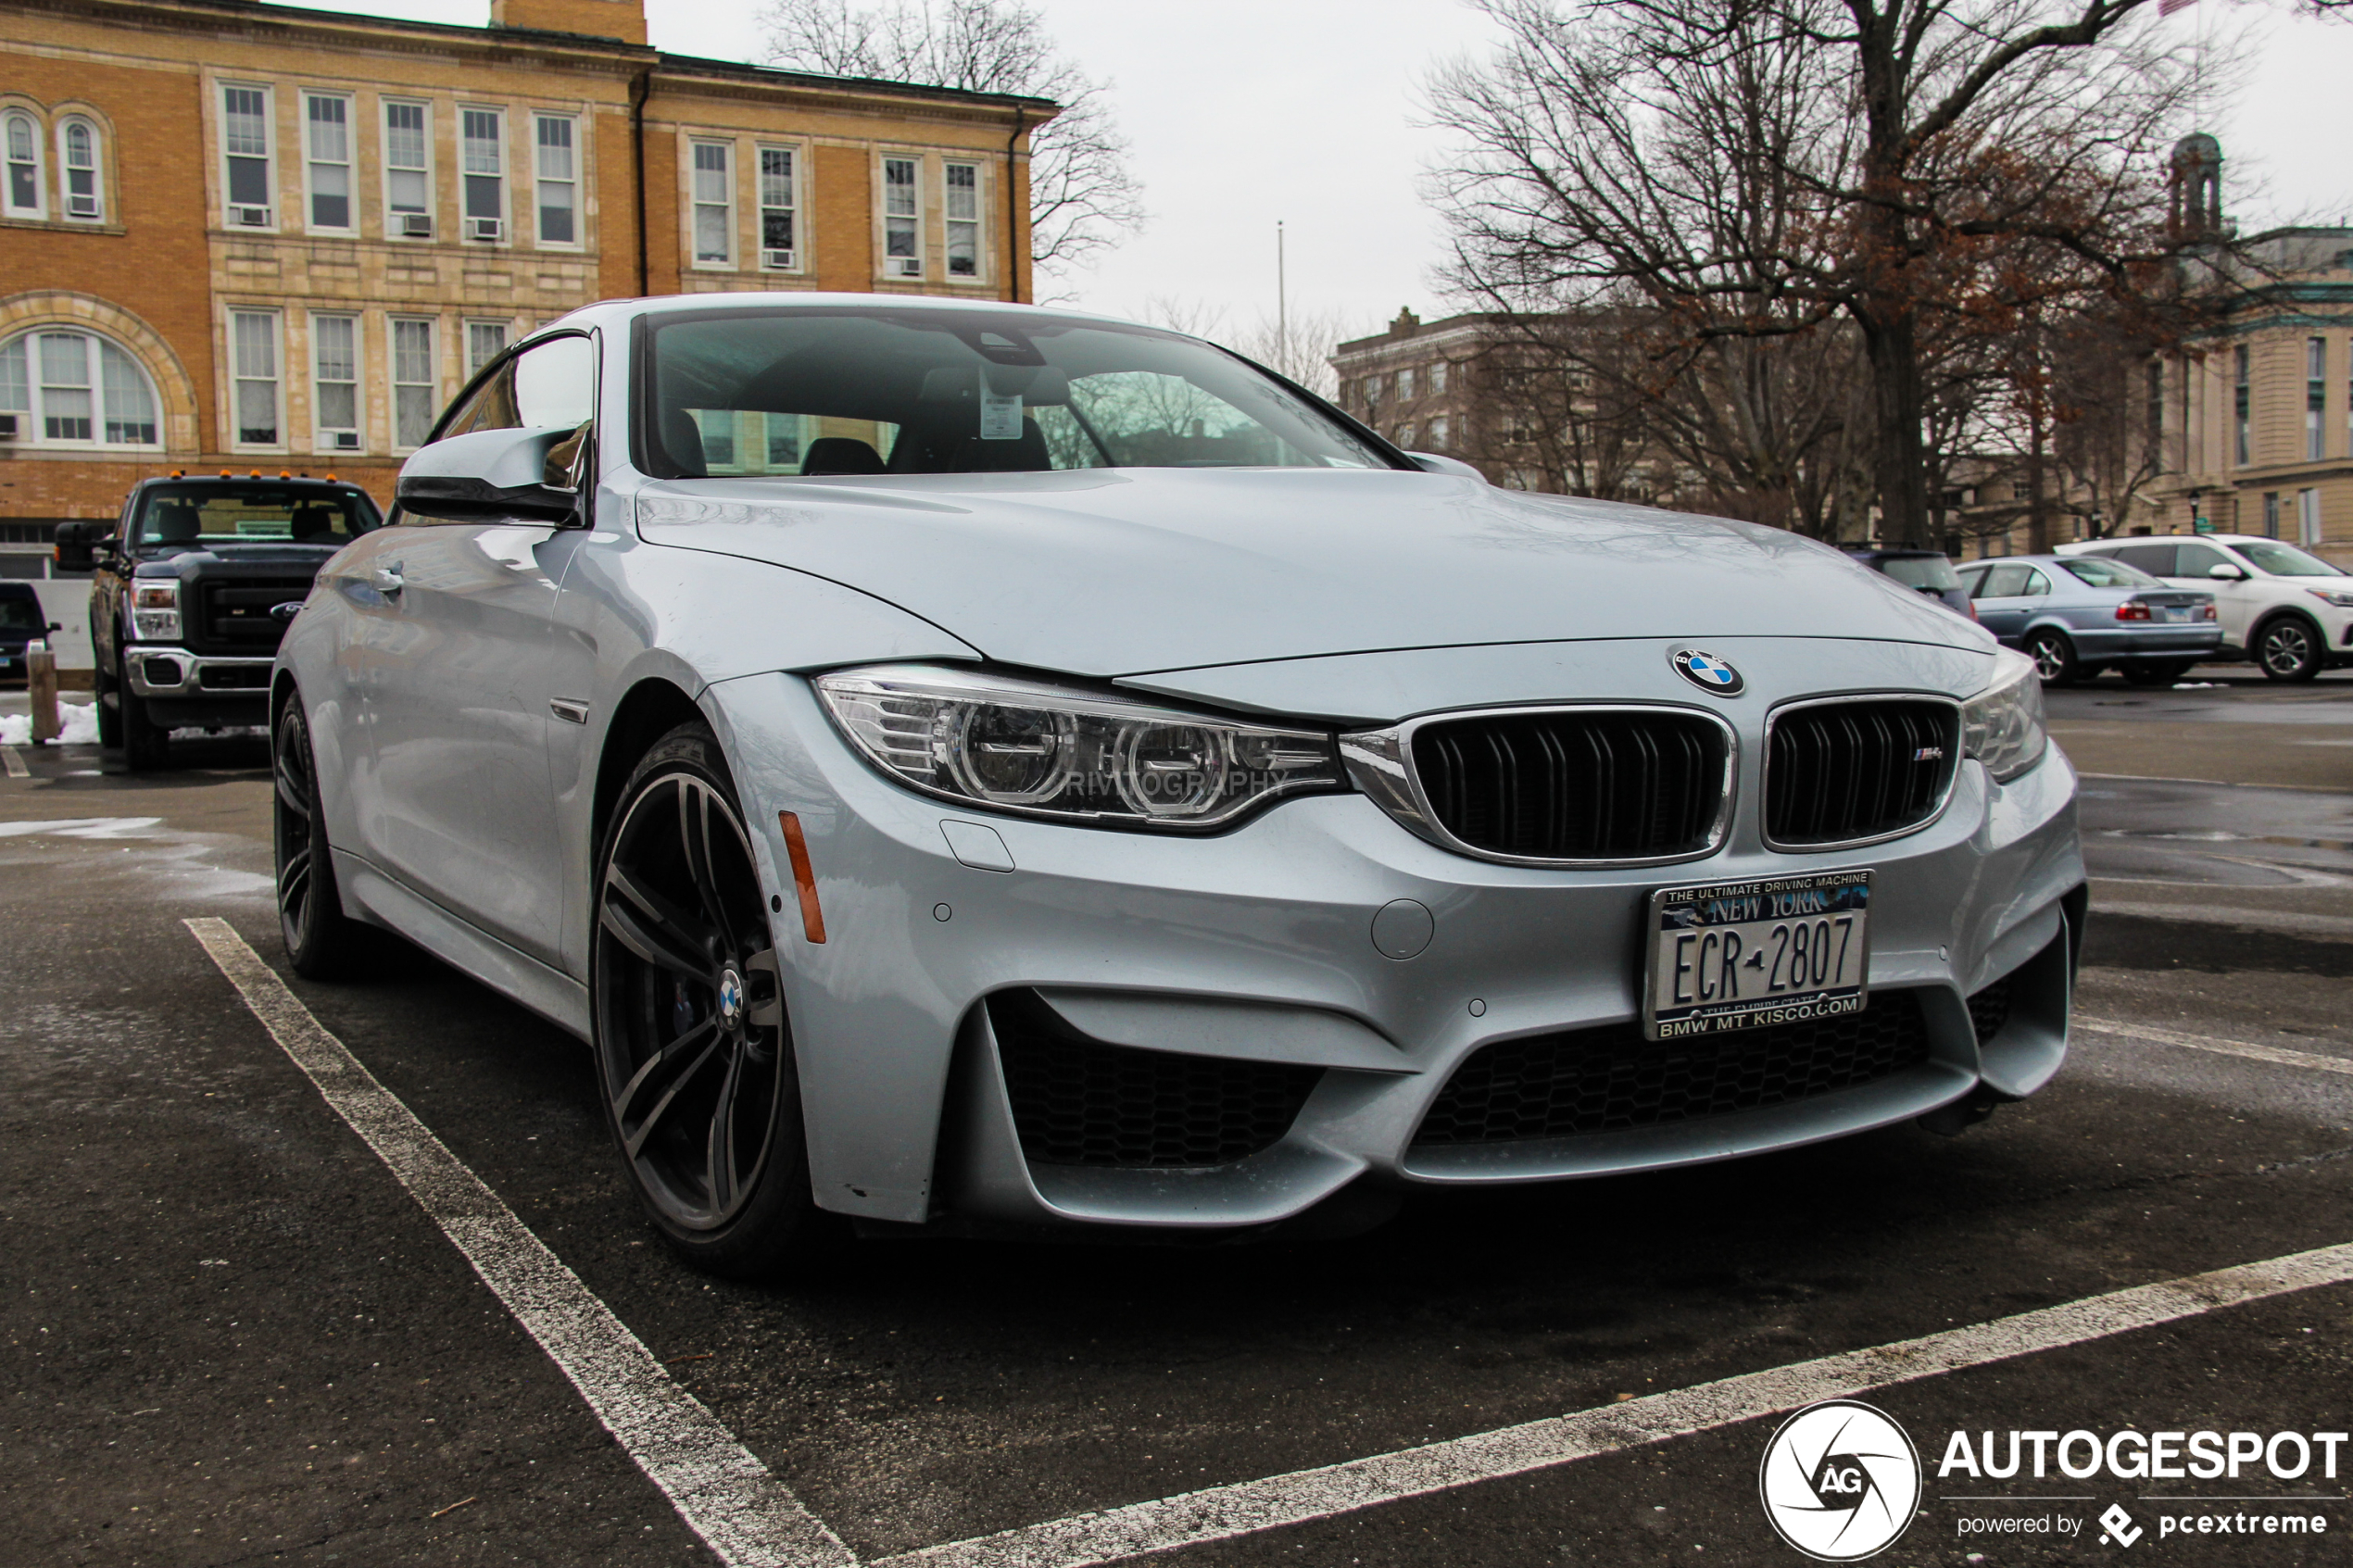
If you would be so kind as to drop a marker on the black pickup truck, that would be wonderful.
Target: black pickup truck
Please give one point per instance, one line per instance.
(195, 582)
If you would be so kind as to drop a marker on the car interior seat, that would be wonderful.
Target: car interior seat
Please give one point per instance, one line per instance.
(840, 454)
(313, 521)
(173, 522)
(1025, 455)
(683, 437)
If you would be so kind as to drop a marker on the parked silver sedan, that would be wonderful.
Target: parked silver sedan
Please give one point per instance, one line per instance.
(2077, 615)
(969, 766)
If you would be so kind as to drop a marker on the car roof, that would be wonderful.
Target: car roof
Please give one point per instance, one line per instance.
(2081, 546)
(17, 590)
(614, 312)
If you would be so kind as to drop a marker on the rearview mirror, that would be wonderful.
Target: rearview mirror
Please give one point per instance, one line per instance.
(2225, 572)
(490, 473)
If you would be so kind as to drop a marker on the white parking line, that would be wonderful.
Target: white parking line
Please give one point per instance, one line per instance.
(752, 1521)
(15, 763)
(1221, 1512)
(724, 1493)
(2278, 1056)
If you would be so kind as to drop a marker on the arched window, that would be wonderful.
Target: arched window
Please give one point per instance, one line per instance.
(75, 389)
(21, 138)
(78, 160)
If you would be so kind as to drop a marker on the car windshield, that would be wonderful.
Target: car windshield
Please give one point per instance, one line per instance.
(2101, 572)
(19, 615)
(869, 391)
(2285, 560)
(176, 516)
(1920, 571)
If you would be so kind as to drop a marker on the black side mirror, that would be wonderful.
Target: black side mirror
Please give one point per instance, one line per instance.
(76, 545)
(494, 473)
(56, 626)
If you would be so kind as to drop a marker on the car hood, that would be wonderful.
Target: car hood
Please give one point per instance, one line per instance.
(1123, 572)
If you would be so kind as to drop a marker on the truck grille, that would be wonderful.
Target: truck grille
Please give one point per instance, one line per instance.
(1610, 1079)
(1839, 771)
(1608, 784)
(233, 617)
(1078, 1101)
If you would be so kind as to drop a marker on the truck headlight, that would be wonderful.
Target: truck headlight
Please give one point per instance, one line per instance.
(1042, 750)
(155, 609)
(2002, 726)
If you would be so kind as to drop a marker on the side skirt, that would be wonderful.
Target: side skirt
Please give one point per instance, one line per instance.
(553, 995)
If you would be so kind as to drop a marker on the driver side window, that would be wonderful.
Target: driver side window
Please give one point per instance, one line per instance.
(2002, 583)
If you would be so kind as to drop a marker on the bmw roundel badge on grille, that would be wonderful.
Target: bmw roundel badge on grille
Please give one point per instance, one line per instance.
(1708, 672)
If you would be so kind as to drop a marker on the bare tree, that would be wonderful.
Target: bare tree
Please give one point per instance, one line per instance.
(1756, 169)
(1083, 197)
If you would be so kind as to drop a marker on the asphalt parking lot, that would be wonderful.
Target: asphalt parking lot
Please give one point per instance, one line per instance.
(232, 1337)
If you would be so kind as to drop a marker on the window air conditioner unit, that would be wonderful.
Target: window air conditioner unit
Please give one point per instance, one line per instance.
(782, 260)
(7, 427)
(249, 217)
(346, 440)
(81, 207)
(907, 266)
(416, 225)
(486, 228)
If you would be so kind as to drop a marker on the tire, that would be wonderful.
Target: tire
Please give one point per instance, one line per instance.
(109, 713)
(147, 746)
(321, 941)
(2054, 658)
(2288, 648)
(700, 1091)
(2158, 672)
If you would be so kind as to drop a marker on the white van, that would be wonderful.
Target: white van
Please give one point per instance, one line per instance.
(2288, 610)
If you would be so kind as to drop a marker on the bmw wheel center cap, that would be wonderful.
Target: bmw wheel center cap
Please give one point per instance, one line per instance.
(1708, 672)
(731, 998)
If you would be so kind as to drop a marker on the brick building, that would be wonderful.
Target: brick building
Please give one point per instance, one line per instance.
(251, 236)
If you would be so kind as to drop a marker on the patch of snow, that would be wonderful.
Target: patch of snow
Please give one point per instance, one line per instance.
(2195, 685)
(78, 721)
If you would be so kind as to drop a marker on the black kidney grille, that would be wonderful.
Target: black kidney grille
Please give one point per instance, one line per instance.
(1610, 1079)
(1574, 787)
(1857, 770)
(1078, 1101)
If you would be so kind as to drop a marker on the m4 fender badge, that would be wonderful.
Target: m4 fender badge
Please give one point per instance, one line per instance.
(1708, 672)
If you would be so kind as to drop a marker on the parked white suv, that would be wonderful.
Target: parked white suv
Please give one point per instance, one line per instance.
(2290, 611)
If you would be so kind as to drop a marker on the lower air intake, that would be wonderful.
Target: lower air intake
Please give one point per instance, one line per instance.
(1610, 1079)
(1078, 1101)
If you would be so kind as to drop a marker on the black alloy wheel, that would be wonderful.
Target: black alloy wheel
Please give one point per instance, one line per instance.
(693, 1051)
(321, 940)
(2054, 658)
(2288, 648)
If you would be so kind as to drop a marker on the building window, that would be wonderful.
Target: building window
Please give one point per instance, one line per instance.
(2308, 517)
(245, 145)
(76, 389)
(559, 174)
(2270, 514)
(485, 166)
(254, 363)
(485, 341)
(2244, 409)
(413, 400)
(1405, 384)
(902, 254)
(963, 219)
(714, 204)
(407, 177)
(1437, 377)
(1438, 433)
(78, 152)
(326, 129)
(24, 167)
(2316, 396)
(1406, 433)
(334, 383)
(776, 241)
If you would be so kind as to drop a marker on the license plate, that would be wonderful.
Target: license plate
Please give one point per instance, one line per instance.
(1742, 955)
(2173, 613)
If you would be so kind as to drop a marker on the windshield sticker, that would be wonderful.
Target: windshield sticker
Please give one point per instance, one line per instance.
(1000, 416)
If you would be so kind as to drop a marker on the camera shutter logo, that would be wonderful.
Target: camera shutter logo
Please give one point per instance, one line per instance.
(1840, 1481)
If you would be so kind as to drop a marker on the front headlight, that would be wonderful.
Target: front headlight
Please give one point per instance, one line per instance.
(1047, 751)
(2337, 596)
(2002, 726)
(155, 609)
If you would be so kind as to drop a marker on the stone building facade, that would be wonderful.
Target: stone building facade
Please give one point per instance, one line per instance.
(259, 238)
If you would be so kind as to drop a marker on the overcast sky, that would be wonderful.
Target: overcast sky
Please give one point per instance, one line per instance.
(1244, 112)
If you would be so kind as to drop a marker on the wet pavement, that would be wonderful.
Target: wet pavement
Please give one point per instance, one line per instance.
(232, 1337)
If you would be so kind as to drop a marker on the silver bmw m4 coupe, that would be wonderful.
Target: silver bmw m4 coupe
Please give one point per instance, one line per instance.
(968, 766)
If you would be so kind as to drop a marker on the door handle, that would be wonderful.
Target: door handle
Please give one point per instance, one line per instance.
(387, 578)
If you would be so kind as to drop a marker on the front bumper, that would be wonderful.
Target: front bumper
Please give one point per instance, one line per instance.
(1258, 945)
(159, 671)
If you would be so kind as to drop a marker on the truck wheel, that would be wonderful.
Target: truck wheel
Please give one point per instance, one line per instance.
(107, 697)
(2288, 648)
(2054, 658)
(147, 746)
(321, 941)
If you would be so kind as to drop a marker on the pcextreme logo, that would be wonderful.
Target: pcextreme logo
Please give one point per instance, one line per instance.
(1840, 1481)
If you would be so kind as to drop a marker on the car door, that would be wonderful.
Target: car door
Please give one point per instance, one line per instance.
(2001, 601)
(461, 661)
(2236, 602)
